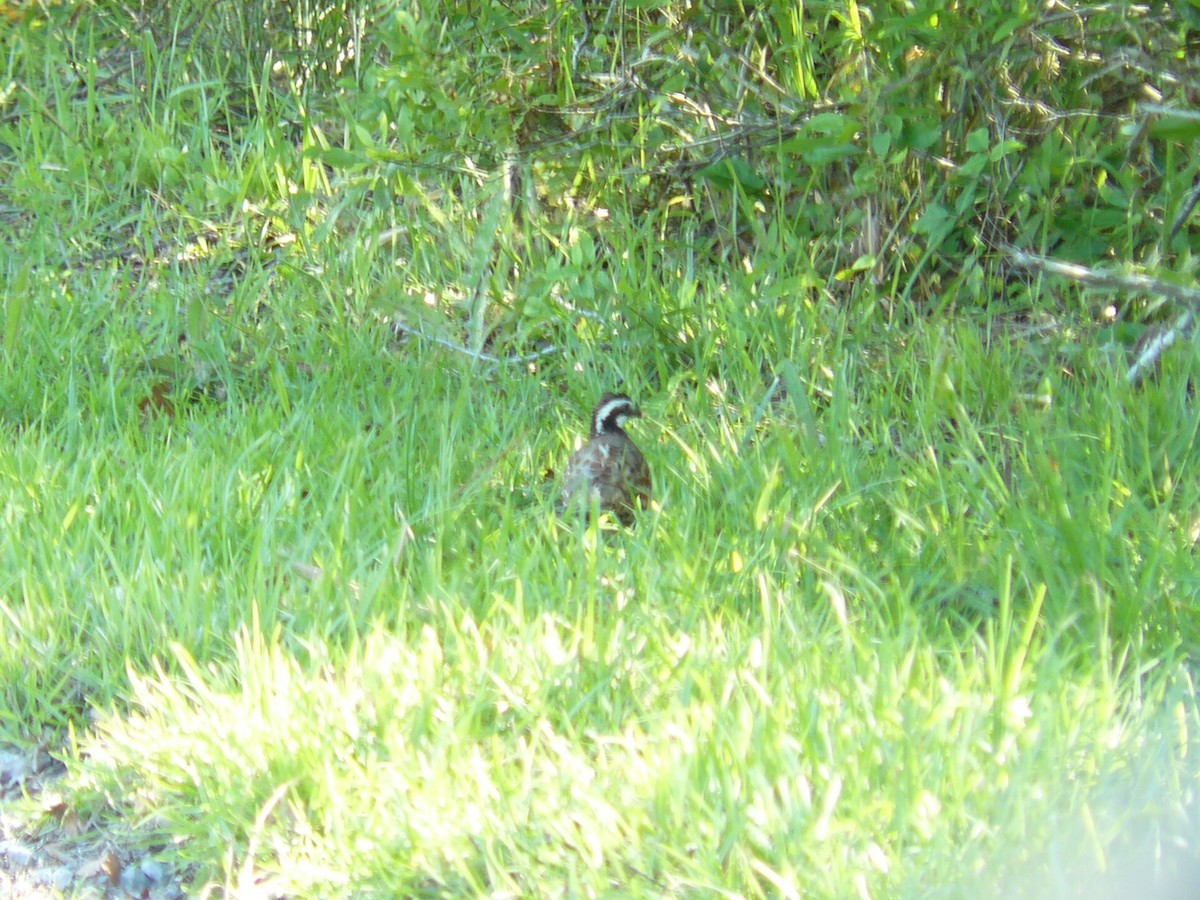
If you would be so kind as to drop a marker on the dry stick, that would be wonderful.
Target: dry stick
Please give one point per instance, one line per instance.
(1185, 210)
(1156, 346)
(477, 354)
(1102, 278)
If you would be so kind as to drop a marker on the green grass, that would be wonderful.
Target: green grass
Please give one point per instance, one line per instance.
(914, 613)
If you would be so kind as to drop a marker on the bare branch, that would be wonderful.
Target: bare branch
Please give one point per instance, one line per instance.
(402, 327)
(1157, 340)
(1103, 278)
(1154, 344)
(1185, 210)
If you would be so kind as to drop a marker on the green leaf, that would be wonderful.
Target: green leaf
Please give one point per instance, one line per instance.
(1181, 127)
(819, 151)
(1007, 27)
(196, 318)
(974, 165)
(14, 309)
(335, 157)
(1004, 148)
(936, 222)
(920, 135)
(979, 140)
(833, 124)
(734, 171)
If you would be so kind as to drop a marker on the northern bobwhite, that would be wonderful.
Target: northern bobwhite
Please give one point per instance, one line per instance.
(609, 467)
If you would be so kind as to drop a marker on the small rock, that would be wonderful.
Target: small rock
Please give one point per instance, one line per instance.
(134, 881)
(60, 877)
(19, 855)
(14, 768)
(153, 869)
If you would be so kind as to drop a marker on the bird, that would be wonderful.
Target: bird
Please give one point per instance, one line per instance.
(609, 468)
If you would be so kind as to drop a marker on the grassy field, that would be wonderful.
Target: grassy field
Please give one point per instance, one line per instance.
(304, 312)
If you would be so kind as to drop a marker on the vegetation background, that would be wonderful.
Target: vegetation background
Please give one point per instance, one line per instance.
(305, 302)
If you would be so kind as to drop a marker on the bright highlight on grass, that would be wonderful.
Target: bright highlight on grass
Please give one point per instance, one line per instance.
(303, 308)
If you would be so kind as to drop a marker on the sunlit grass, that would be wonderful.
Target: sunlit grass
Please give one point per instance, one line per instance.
(282, 583)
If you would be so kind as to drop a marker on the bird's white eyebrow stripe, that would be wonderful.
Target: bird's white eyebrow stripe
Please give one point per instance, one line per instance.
(607, 410)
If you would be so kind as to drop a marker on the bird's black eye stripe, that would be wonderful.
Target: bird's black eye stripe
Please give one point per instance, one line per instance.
(608, 414)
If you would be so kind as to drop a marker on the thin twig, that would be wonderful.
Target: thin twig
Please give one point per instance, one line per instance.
(1156, 344)
(1185, 210)
(476, 354)
(1103, 278)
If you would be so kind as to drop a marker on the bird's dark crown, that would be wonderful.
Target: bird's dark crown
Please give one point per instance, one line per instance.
(611, 414)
